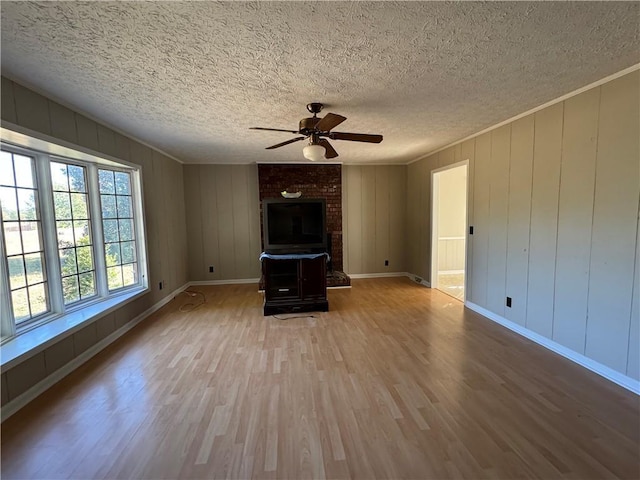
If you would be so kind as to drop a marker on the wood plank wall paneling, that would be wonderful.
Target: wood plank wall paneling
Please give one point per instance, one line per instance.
(633, 362)
(572, 204)
(163, 194)
(352, 205)
(498, 213)
(374, 199)
(223, 221)
(8, 104)
(32, 110)
(615, 221)
(547, 150)
(413, 181)
(519, 220)
(383, 219)
(63, 125)
(368, 219)
(397, 220)
(468, 152)
(480, 243)
(575, 212)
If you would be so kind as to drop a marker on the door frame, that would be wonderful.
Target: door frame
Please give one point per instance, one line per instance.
(435, 190)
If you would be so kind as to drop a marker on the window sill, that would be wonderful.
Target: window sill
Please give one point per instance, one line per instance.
(29, 343)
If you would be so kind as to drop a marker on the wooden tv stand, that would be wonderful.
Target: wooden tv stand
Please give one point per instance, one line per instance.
(294, 283)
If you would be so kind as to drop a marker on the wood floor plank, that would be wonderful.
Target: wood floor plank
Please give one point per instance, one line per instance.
(396, 381)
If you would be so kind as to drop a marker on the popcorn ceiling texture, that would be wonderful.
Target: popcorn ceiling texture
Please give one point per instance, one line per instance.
(191, 77)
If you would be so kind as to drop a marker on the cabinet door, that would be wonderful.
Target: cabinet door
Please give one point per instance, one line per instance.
(313, 278)
(281, 278)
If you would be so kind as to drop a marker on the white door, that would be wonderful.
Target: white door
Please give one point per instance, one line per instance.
(449, 229)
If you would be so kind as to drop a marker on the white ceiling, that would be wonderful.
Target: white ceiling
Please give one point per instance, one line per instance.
(190, 78)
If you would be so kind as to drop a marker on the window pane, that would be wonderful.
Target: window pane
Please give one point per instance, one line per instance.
(110, 230)
(81, 229)
(38, 299)
(129, 274)
(30, 236)
(114, 277)
(128, 252)
(35, 270)
(6, 169)
(105, 179)
(70, 289)
(27, 204)
(59, 179)
(87, 285)
(126, 229)
(112, 254)
(124, 207)
(119, 235)
(68, 261)
(12, 238)
(79, 204)
(24, 171)
(76, 179)
(9, 203)
(20, 303)
(85, 259)
(108, 206)
(65, 233)
(62, 204)
(17, 276)
(122, 183)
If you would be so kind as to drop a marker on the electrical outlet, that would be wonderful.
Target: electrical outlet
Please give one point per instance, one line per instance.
(161, 285)
(509, 302)
(386, 263)
(211, 269)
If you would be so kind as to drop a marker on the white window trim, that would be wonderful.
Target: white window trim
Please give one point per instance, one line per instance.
(62, 321)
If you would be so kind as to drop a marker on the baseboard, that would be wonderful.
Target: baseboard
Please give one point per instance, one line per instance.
(418, 279)
(415, 278)
(377, 275)
(586, 362)
(235, 281)
(23, 399)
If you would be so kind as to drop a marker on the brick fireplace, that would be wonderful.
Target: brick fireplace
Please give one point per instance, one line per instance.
(314, 181)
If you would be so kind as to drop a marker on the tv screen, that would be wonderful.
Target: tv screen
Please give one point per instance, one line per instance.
(294, 225)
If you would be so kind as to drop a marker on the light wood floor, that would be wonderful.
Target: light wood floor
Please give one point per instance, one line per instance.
(396, 381)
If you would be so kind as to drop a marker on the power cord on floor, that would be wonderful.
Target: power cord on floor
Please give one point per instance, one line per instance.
(189, 307)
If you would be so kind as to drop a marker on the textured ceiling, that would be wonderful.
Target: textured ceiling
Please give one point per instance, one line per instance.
(191, 77)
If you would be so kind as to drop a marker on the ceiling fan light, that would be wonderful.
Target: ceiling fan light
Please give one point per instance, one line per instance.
(313, 152)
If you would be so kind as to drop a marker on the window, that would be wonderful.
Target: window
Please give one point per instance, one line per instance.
(22, 230)
(118, 228)
(70, 236)
(71, 206)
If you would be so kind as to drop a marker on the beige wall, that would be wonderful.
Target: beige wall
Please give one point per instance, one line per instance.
(373, 218)
(164, 212)
(553, 198)
(554, 204)
(223, 221)
(452, 216)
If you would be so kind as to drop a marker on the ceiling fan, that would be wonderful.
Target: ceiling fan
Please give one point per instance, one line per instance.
(315, 129)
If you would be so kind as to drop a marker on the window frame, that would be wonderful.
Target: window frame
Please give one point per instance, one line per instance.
(44, 152)
(37, 188)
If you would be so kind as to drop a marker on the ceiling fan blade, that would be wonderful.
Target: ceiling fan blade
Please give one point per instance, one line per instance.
(297, 139)
(273, 129)
(355, 137)
(329, 121)
(330, 151)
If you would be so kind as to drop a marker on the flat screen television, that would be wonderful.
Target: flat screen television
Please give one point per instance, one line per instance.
(294, 225)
